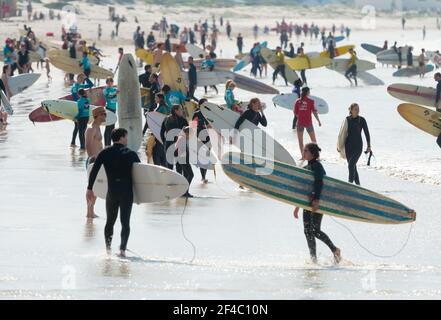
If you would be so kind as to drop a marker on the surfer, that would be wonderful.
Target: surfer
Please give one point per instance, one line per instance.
(202, 133)
(82, 83)
(254, 114)
(208, 65)
(160, 104)
(280, 61)
(301, 54)
(350, 142)
(154, 147)
(183, 165)
(118, 161)
(110, 93)
(231, 102)
(352, 67)
(303, 108)
(24, 63)
(192, 79)
(144, 79)
(409, 57)
(85, 63)
(170, 130)
(311, 219)
(120, 53)
(82, 117)
(239, 43)
(422, 63)
(94, 145)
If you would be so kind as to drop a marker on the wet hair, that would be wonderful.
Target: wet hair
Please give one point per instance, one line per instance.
(298, 83)
(81, 92)
(175, 108)
(314, 149)
(109, 79)
(160, 95)
(202, 101)
(305, 91)
(438, 74)
(147, 66)
(166, 88)
(351, 107)
(117, 134)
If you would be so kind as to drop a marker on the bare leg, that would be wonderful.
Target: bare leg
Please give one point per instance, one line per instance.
(300, 138)
(312, 137)
(90, 209)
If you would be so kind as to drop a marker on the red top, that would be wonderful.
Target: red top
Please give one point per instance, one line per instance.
(303, 108)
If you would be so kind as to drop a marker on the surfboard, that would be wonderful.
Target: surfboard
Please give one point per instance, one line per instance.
(5, 103)
(392, 59)
(21, 82)
(145, 55)
(70, 65)
(171, 75)
(255, 140)
(199, 155)
(293, 185)
(95, 96)
(341, 65)
(129, 101)
(391, 51)
(219, 64)
(150, 183)
(371, 48)
(339, 51)
(414, 94)
(412, 71)
(247, 58)
(301, 63)
(287, 101)
(69, 110)
(65, 53)
(339, 38)
(369, 79)
(270, 58)
(423, 118)
(210, 78)
(252, 85)
(195, 51)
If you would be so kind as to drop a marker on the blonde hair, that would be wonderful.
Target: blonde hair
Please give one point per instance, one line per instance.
(229, 84)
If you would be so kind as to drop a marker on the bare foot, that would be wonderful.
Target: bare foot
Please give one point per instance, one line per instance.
(337, 256)
(109, 251)
(314, 260)
(92, 216)
(73, 145)
(204, 181)
(122, 254)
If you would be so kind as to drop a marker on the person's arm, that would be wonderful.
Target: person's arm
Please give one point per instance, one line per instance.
(438, 94)
(89, 138)
(366, 133)
(241, 119)
(88, 84)
(263, 120)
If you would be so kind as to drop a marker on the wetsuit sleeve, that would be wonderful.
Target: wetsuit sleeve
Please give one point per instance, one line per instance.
(89, 84)
(263, 121)
(95, 169)
(366, 132)
(438, 92)
(241, 119)
(163, 127)
(319, 173)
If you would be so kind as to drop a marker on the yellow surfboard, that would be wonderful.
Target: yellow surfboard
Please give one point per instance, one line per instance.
(145, 56)
(65, 53)
(337, 51)
(423, 118)
(70, 65)
(301, 63)
(171, 75)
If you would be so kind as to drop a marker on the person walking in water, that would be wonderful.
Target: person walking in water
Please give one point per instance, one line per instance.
(118, 161)
(422, 63)
(311, 219)
(424, 32)
(239, 43)
(280, 61)
(350, 142)
(352, 67)
(82, 117)
(202, 133)
(301, 54)
(410, 57)
(303, 109)
(82, 83)
(94, 145)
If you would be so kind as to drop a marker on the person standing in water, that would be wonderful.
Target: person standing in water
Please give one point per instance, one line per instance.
(202, 133)
(311, 219)
(94, 145)
(183, 165)
(424, 32)
(350, 142)
(82, 83)
(280, 61)
(239, 43)
(82, 117)
(303, 109)
(110, 93)
(410, 57)
(422, 63)
(118, 161)
(352, 67)
(192, 79)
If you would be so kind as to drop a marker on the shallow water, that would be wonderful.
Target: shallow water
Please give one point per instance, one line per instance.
(247, 246)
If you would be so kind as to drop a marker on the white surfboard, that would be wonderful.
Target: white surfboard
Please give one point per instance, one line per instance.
(255, 140)
(68, 110)
(150, 183)
(129, 101)
(210, 78)
(341, 65)
(21, 82)
(199, 152)
(287, 101)
(370, 79)
(5, 103)
(195, 51)
(434, 57)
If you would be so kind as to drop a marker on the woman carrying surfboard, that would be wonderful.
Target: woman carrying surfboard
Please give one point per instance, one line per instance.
(350, 142)
(311, 219)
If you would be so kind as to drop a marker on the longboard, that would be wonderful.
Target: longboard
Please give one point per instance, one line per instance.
(423, 118)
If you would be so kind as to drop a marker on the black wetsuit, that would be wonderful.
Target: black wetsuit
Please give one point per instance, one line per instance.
(170, 123)
(312, 221)
(202, 134)
(23, 59)
(73, 55)
(354, 145)
(254, 117)
(192, 82)
(438, 96)
(118, 161)
(144, 80)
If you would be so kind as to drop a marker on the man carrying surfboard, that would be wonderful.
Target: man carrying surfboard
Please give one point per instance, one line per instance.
(94, 145)
(118, 161)
(352, 67)
(280, 61)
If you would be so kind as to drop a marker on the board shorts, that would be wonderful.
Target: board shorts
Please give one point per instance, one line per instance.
(302, 128)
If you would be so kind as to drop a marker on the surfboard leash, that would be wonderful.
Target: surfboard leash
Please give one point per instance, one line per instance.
(369, 251)
(183, 231)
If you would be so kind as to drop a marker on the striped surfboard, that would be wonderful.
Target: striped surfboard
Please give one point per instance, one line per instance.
(293, 185)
